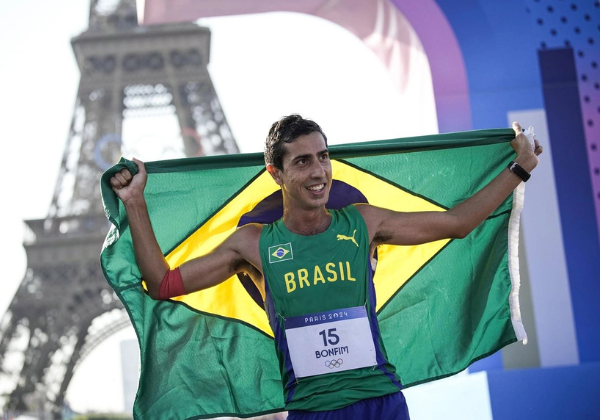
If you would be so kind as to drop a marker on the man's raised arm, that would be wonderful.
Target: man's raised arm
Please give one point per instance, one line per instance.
(197, 274)
(396, 228)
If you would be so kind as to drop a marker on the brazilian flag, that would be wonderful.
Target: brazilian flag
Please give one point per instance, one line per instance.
(441, 306)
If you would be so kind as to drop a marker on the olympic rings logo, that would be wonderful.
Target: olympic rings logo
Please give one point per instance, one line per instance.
(335, 363)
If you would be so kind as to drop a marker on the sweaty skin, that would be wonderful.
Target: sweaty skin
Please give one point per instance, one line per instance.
(305, 183)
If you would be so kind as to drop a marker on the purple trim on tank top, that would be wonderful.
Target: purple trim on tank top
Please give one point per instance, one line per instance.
(280, 342)
(381, 360)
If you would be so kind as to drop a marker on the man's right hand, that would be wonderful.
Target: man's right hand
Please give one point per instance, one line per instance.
(129, 187)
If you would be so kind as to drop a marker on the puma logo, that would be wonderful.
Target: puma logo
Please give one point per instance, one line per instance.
(348, 238)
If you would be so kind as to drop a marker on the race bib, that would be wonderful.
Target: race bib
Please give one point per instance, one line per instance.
(331, 341)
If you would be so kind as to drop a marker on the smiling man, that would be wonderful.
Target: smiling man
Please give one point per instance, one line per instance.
(313, 270)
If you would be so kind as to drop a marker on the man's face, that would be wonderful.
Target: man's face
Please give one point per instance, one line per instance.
(306, 177)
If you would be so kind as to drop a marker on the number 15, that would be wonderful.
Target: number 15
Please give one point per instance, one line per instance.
(332, 338)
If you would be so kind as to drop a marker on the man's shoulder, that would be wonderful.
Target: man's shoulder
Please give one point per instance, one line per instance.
(245, 241)
(371, 216)
(249, 232)
(364, 209)
(246, 237)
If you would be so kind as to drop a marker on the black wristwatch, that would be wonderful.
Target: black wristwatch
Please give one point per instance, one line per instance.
(518, 170)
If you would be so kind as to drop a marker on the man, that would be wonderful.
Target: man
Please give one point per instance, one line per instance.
(313, 245)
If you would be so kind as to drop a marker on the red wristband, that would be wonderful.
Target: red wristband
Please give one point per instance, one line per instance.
(171, 285)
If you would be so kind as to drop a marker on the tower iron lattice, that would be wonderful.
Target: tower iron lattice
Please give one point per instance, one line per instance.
(63, 307)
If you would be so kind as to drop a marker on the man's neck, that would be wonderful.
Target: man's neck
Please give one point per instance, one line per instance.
(307, 222)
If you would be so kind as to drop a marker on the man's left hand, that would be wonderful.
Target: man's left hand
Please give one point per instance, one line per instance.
(527, 156)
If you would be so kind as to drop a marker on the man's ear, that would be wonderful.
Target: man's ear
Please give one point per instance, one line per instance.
(275, 173)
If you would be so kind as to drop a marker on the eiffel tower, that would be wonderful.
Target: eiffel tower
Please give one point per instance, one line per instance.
(64, 308)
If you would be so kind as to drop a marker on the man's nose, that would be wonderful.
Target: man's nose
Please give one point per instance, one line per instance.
(318, 170)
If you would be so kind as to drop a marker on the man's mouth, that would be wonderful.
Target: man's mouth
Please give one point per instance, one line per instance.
(316, 188)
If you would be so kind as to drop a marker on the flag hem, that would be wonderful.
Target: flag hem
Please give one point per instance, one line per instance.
(513, 263)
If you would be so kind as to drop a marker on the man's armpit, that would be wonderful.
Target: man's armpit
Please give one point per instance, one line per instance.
(381, 238)
(238, 265)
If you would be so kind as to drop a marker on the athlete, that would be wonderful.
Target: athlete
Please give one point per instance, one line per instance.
(293, 260)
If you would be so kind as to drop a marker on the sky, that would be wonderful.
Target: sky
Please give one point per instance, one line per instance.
(311, 66)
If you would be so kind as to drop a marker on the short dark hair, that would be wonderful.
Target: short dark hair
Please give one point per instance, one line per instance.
(286, 130)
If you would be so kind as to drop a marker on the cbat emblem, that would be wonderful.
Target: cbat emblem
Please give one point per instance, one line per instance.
(282, 252)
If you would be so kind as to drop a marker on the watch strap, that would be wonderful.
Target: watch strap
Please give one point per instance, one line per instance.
(519, 171)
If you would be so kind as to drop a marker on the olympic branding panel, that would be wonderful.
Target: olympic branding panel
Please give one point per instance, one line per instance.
(331, 341)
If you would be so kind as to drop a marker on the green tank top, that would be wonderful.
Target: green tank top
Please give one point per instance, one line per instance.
(324, 275)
